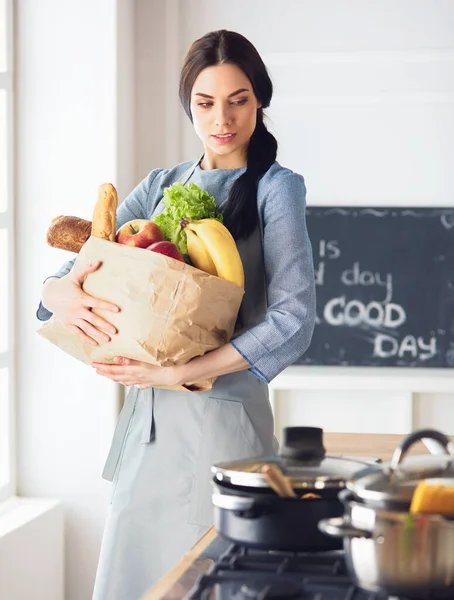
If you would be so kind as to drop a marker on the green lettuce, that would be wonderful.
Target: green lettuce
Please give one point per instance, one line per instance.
(184, 201)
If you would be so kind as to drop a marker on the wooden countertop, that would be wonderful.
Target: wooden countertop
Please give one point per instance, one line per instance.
(373, 445)
(177, 582)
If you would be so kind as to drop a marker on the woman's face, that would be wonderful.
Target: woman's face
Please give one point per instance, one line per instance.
(224, 113)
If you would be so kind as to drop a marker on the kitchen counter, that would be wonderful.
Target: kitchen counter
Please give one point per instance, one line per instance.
(198, 560)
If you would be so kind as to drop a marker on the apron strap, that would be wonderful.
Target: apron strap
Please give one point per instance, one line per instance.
(148, 426)
(190, 172)
(119, 437)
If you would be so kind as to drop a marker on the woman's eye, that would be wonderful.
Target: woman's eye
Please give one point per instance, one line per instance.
(235, 103)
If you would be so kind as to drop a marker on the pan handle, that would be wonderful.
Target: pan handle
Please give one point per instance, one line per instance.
(236, 503)
(436, 442)
(341, 527)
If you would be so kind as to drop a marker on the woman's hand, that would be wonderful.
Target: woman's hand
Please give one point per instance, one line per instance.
(134, 372)
(225, 359)
(66, 299)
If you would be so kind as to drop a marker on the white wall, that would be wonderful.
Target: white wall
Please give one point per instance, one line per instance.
(363, 108)
(158, 63)
(73, 77)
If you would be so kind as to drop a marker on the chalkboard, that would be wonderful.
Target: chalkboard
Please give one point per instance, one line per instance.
(385, 286)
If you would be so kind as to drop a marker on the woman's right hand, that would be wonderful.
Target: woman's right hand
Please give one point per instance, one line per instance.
(66, 299)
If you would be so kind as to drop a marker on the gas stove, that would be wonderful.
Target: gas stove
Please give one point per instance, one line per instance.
(247, 574)
(242, 573)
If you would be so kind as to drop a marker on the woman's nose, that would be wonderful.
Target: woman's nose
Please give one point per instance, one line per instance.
(223, 116)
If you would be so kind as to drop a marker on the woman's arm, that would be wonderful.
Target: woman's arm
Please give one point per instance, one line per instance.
(73, 307)
(43, 313)
(212, 364)
(144, 375)
(287, 330)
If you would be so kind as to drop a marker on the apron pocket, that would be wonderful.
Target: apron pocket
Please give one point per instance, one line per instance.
(227, 434)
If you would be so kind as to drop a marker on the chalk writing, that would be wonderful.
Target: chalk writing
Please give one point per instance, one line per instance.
(385, 286)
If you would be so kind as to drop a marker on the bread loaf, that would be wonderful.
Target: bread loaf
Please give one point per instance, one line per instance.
(68, 233)
(105, 213)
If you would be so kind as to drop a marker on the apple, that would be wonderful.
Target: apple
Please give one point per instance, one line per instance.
(140, 233)
(168, 249)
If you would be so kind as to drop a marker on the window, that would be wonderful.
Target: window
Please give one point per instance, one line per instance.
(7, 483)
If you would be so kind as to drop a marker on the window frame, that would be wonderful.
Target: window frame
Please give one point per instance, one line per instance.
(7, 221)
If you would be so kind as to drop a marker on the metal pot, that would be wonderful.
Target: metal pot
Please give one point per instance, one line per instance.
(391, 485)
(387, 548)
(249, 512)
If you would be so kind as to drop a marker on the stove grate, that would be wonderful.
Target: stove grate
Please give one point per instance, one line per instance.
(248, 574)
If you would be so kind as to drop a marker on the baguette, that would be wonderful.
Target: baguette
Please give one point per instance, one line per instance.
(68, 233)
(105, 213)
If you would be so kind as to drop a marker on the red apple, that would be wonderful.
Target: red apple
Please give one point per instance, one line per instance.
(168, 249)
(139, 233)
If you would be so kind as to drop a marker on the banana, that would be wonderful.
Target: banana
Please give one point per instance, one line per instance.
(218, 225)
(220, 246)
(198, 253)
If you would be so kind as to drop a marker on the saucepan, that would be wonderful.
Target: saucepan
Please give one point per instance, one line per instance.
(249, 510)
(388, 548)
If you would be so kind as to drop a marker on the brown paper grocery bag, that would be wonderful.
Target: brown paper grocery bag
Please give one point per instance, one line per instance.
(170, 312)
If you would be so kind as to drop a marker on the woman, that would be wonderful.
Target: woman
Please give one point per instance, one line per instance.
(166, 441)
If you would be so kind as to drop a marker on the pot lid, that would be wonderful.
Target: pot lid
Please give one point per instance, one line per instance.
(395, 481)
(302, 459)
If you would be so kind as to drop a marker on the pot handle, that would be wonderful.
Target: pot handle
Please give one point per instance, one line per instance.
(236, 503)
(442, 442)
(341, 527)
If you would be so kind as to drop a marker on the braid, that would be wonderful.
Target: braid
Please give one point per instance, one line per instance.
(240, 215)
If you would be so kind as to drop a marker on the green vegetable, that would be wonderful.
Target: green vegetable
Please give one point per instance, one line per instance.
(184, 201)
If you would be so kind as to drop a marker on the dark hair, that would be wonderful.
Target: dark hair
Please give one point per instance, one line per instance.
(218, 47)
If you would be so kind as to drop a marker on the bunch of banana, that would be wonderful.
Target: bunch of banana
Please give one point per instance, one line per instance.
(212, 248)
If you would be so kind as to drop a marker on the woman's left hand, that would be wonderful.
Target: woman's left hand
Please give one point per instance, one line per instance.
(134, 372)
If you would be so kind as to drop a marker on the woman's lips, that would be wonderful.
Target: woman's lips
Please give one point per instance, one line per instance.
(224, 138)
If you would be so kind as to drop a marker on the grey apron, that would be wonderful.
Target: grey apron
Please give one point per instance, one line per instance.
(162, 451)
(128, 408)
